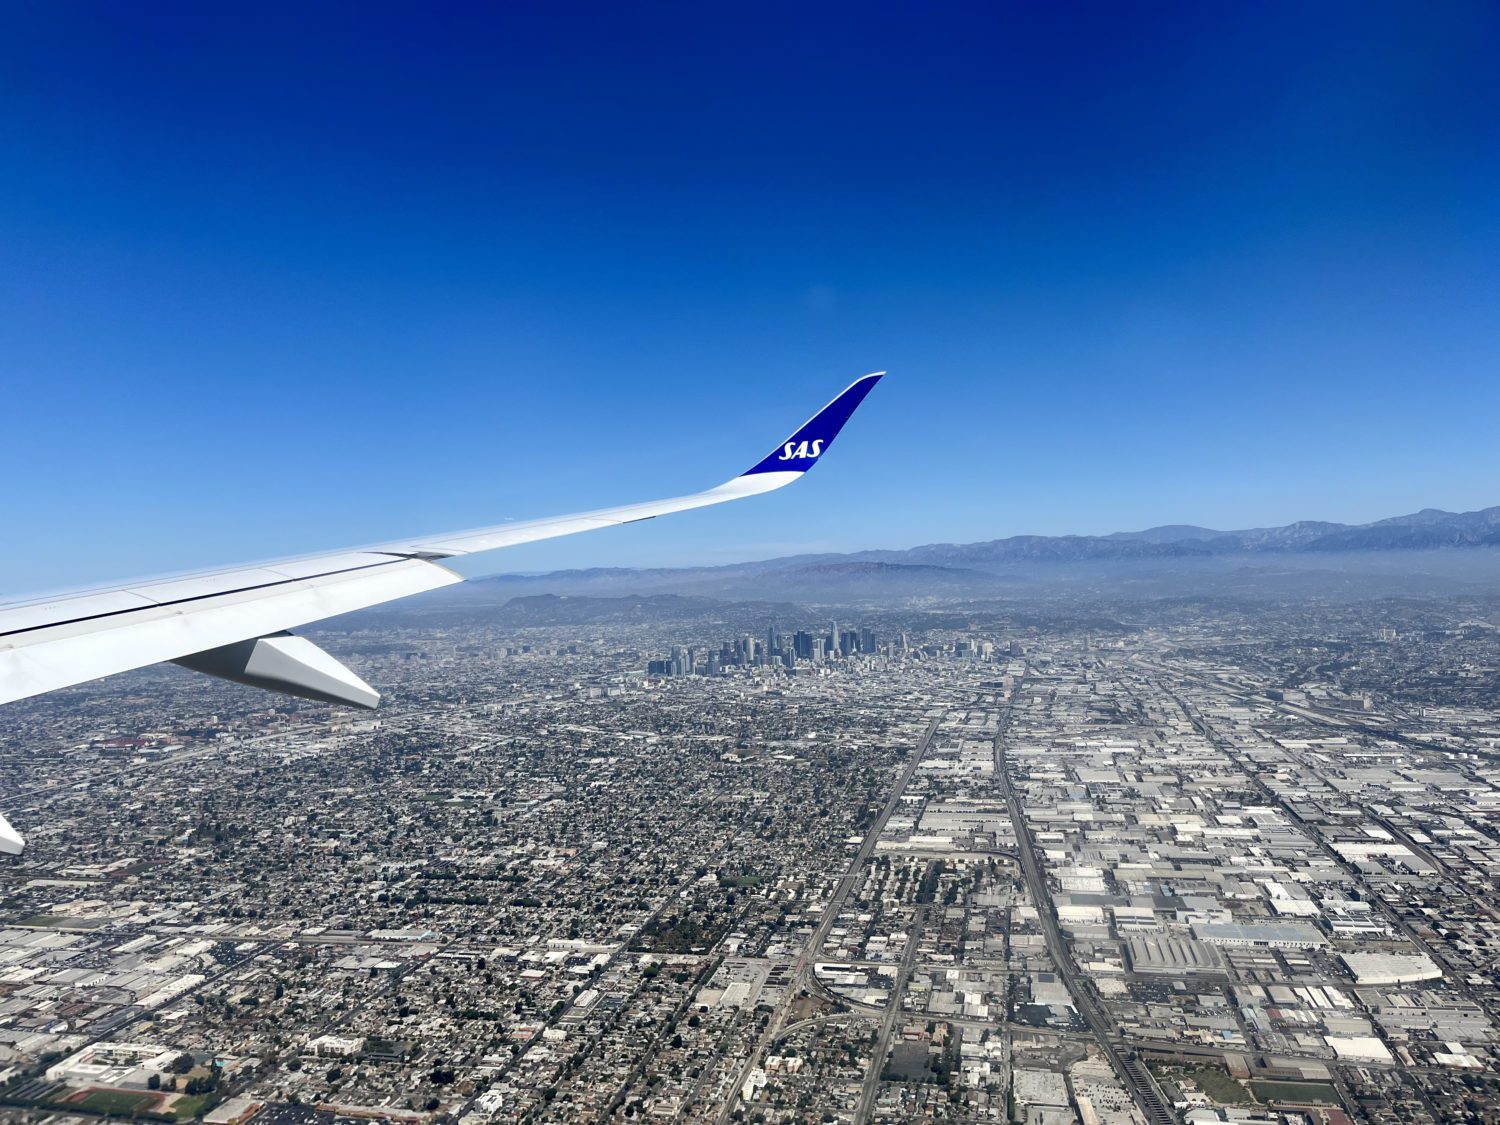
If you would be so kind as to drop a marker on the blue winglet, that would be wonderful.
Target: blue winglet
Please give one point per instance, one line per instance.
(801, 451)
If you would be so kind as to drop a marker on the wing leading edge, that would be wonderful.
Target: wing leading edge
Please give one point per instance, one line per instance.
(231, 622)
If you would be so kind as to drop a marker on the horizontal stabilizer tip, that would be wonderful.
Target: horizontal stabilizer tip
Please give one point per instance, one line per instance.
(285, 663)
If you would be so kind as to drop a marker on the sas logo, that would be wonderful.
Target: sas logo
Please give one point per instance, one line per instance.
(800, 450)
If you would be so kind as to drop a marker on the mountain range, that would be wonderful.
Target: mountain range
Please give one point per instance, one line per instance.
(1427, 530)
(1424, 545)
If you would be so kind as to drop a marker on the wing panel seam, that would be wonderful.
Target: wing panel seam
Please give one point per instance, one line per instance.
(201, 597)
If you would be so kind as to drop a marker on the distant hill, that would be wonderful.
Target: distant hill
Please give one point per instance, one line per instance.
(1391, 553)
(1428, 529)
(553, 609)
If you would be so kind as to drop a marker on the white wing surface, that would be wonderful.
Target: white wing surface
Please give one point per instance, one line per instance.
(53, 642)
(233, 623)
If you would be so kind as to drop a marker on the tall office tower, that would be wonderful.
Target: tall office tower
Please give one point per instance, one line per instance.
(867, 640)
(691, 665)
(802, 642)
(833, 638)
(817, 652)
(677, 660)
(713, 663)
(773, 642)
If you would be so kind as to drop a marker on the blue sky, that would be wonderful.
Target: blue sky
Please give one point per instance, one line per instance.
(279, 280)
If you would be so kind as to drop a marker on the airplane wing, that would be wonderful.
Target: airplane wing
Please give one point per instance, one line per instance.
(68, 639)
(233, 623)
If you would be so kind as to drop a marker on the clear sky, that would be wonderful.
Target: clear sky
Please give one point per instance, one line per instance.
(273, 281)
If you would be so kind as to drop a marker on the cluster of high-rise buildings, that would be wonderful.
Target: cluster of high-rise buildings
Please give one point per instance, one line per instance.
(776, 648)
(781, 649)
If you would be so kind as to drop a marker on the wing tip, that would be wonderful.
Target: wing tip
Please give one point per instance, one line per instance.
(811, 440)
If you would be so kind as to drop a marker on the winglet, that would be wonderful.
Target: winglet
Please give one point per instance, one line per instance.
(801, 451)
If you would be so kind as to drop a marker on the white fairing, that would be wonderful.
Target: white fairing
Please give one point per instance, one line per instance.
(288, 664)
(10, 840)
(54, 642)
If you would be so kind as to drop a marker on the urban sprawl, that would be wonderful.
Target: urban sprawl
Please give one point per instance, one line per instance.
(962, 865)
